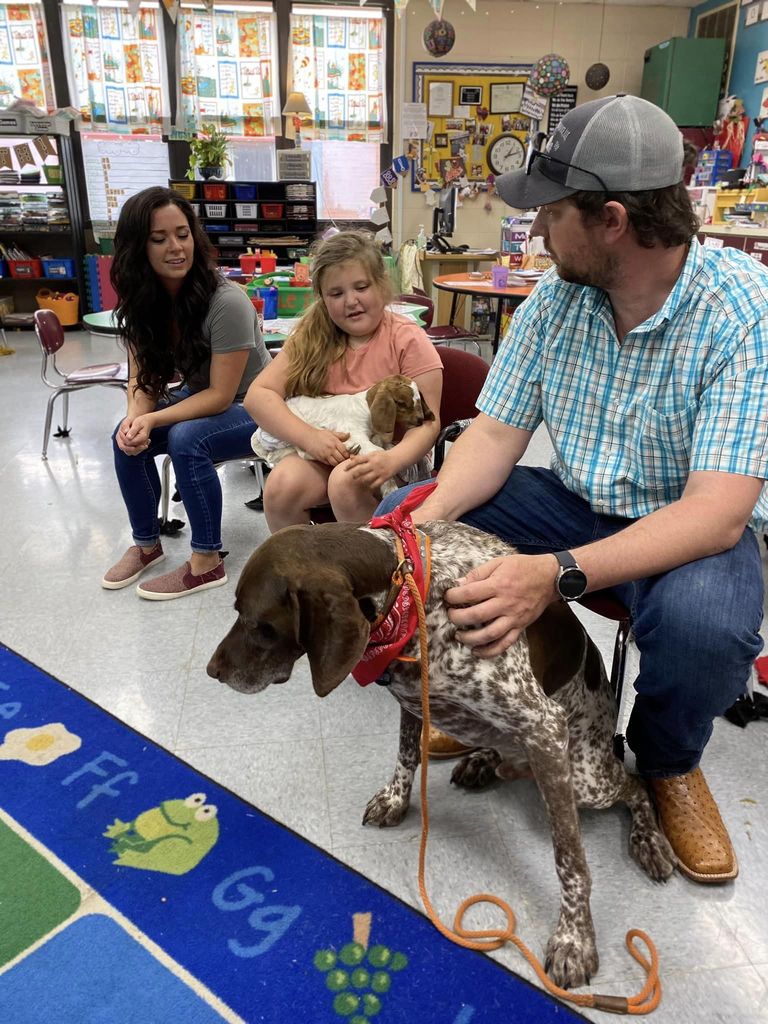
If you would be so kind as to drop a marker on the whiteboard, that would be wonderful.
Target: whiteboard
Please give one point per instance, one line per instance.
(117, 167)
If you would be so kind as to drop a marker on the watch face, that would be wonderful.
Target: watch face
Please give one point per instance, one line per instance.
(572, 583)
(506, 153)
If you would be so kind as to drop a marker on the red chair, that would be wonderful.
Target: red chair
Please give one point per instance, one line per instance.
(445, 333)
(50, 335)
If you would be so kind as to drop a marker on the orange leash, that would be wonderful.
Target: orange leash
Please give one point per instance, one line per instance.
(644, 1002)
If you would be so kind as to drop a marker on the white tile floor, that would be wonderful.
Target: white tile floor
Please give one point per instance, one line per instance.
(313, 764)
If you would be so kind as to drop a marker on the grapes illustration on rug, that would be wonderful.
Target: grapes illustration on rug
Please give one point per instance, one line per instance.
(359, 974)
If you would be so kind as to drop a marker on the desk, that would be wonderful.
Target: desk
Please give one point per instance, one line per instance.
(101, 324)
(461, 284)
(274, 337)
(434, 264)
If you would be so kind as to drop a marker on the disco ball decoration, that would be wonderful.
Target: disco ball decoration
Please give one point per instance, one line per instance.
(439, 37)
(550, 73)
(597, 76)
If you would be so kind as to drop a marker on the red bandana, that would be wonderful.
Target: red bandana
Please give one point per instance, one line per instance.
(391, 635)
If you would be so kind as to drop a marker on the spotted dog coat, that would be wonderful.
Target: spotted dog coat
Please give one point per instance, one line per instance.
(544, 705)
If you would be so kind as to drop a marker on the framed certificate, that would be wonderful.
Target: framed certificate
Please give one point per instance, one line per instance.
(440, 99)
(506, 97)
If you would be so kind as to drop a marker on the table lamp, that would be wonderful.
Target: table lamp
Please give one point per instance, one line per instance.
(296, 104)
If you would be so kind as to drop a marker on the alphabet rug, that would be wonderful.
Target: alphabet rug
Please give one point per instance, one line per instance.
(133, 888)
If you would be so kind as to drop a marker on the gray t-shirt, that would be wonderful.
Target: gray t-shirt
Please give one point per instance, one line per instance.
(231, 326)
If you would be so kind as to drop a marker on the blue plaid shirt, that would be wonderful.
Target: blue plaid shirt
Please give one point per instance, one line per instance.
(687, 390)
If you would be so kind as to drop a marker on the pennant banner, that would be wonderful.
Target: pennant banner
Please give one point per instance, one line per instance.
(44, 146)
(23, 154)
(5, 157)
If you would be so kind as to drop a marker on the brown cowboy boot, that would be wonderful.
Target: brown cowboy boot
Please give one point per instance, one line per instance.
(443, 747)
(690, 820)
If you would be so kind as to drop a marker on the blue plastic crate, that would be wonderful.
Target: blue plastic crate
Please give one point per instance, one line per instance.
(216, 228)
(244, 193)
(59, 268)
(4, 272)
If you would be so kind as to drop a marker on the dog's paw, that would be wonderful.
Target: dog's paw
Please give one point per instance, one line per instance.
(572, 959)
(387, 808)
(650, 848)
(477, 769)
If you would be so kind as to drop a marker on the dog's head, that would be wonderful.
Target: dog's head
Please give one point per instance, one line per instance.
(301, 593)
(396, 400)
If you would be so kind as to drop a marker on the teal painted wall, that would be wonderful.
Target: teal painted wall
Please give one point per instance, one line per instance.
(750, 40)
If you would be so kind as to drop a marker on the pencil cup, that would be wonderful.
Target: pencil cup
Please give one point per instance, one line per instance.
(499, 276)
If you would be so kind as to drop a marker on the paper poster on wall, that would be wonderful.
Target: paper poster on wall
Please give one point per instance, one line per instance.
(753, 15)
(559, 105)
(415, 120)
(761, 67)
(440, 102)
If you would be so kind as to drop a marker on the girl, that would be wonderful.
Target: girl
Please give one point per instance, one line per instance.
(344, 343)
(177, 314)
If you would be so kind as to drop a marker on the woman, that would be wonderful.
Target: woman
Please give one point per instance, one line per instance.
(179, 318)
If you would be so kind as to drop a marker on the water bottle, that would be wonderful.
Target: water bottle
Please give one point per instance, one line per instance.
(421, 239)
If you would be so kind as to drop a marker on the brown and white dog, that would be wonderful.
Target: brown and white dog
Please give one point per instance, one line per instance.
(544, 704)
(369, 417)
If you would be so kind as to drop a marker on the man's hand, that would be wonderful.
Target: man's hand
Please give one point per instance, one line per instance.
(328, 446)
(372, 470)
(497, 600)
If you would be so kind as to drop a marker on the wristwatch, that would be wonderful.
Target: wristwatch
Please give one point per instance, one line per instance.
(571, 580)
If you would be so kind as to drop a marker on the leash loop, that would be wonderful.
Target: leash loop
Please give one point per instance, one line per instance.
(491, 938)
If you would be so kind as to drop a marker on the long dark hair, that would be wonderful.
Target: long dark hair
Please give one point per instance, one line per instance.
(165, 334)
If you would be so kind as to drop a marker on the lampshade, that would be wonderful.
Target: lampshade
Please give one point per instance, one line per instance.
(296, 104)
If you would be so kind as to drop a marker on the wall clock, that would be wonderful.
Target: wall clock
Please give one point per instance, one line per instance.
(505, 153)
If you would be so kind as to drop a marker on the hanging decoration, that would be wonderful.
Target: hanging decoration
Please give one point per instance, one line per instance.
(549, 75)
(401, 5)
(439, 37)
(598, 74)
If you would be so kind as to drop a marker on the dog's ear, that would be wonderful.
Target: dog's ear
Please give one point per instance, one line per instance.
(383, 411)
(334, 633)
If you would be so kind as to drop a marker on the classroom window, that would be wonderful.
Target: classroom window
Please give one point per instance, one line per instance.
(116, 68)
(337, 60)
(228, 69)
(25, 68)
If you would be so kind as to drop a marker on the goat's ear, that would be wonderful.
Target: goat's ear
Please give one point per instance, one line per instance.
(426, 412)
(383, 413)
(334, 633)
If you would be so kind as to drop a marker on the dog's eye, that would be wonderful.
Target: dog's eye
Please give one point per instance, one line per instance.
(264, 631)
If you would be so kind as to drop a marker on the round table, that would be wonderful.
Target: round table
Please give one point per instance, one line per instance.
(101, 324)
(463, 284)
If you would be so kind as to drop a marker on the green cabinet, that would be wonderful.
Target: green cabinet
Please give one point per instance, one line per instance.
(682, 76)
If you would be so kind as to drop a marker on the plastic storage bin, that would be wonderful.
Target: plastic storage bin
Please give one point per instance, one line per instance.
(4, 268)
(272, 211)
(216, 228)
(187, 189)
(59, 268)
(293, 301)
(215, 192)
(25, 268)
(246, 210)
(244, 192)
(215, 209)
(65, 305)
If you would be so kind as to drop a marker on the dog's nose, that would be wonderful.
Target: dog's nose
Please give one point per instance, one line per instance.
(212, 668)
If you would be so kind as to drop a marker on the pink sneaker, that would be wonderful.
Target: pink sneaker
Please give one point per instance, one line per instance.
(181, 582)
(133, 563)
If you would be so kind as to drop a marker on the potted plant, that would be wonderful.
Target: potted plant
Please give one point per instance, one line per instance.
(208, 151)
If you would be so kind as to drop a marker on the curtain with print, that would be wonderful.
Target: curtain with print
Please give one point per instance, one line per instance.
(116, 66)
(337, 61)
(25, 69)
(228, 70)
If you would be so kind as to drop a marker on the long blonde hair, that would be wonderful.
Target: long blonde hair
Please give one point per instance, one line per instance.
(316, 342)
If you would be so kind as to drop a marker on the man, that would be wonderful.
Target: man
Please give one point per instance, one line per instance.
(646, 357)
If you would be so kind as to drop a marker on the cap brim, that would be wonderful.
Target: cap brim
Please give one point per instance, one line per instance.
(524, 191)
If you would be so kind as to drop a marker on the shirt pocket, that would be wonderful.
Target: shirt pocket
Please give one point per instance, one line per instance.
(658, 448)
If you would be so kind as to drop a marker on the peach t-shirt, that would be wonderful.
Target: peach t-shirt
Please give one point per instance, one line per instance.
(398, 346)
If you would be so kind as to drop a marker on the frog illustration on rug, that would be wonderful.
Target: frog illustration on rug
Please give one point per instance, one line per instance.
(173, 837)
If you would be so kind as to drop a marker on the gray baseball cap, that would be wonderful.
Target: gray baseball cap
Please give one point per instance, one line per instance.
(615, 144)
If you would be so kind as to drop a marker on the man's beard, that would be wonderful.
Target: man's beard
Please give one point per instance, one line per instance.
(602, 271)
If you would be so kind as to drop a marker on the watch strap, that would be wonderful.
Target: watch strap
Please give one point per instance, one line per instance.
(566, 559)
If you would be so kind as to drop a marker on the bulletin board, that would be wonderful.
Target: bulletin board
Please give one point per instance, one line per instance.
(468, 106)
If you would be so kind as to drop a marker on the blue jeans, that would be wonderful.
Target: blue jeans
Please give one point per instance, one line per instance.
(696, 627)
(194, 447)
